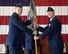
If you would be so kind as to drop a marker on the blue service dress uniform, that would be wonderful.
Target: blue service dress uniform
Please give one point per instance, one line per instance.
(53, 31)
(15, 35)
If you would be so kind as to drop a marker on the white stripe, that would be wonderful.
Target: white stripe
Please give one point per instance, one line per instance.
(41, 10)
(2, 48)
(5, 28)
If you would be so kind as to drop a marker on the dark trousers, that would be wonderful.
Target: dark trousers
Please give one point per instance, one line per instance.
(30, 51)
(56, 51)
(14, 50)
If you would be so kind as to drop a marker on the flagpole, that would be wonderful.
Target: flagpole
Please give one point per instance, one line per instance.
(33, 10)
(36, 46)
(35, 42)
(35, 33)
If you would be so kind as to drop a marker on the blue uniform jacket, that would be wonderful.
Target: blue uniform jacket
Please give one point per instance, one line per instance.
(53, 31)
(16, 29)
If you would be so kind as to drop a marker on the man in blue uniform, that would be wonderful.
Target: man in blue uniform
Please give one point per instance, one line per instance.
(16, 29)
(29, 44)
(53, 31)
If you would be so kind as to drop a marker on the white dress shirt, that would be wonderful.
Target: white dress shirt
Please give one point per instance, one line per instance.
(52, 18)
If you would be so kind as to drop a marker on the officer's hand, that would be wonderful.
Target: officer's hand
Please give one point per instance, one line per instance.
(23, 48)
(36, 37)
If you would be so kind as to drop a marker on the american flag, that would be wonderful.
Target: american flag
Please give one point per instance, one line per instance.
(7, 7)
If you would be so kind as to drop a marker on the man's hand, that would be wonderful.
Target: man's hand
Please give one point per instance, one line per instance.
(35, 37)
(23, 48)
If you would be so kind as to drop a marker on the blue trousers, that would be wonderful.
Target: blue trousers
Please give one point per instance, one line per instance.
(15, 50)
(30, 51)
(56, 51)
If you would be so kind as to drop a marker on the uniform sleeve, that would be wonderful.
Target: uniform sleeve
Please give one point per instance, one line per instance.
(23, 44)
(48, 31)
(41, 28)
(28, 22)
(17, 22)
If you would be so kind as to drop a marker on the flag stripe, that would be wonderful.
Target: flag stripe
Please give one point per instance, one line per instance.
(14, 2)
(41, 10)
(4, 20)
(37, 2)
(5, 28)
(2, 49)
(51, 2)
(3, 39)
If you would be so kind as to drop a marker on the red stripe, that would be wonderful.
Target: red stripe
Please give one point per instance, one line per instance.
(41, 19)
(3, 38)
(51, 2)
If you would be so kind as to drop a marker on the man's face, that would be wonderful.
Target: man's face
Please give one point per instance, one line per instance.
(19, 10)
(50, 14)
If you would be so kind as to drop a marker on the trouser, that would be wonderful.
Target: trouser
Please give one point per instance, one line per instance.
(56, 51)
(15, 50)
(30, 51)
